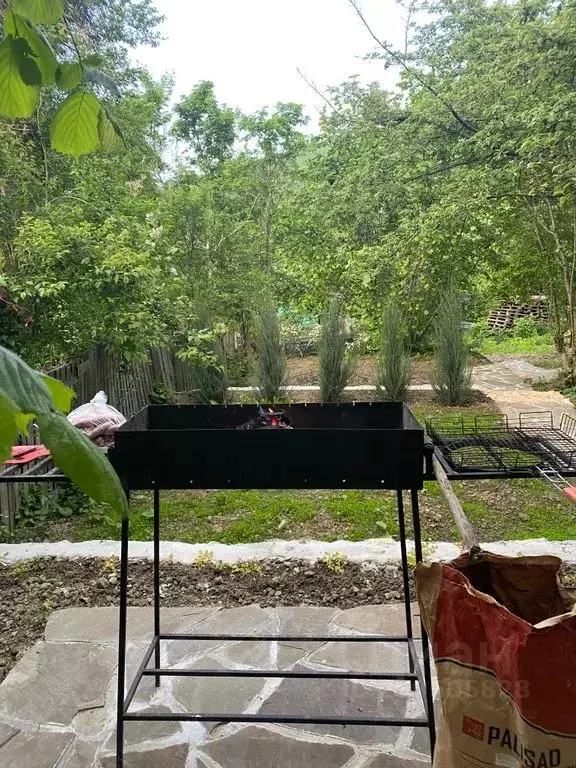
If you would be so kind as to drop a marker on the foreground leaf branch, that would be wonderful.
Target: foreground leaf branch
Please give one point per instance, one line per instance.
(28, 63)
(27, 395)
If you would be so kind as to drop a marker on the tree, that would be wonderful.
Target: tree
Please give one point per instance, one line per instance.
(79, 262)
(494, 83)
(208, 127)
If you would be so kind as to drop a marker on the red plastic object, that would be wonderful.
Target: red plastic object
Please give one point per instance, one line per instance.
(570, 493)
(23, 454)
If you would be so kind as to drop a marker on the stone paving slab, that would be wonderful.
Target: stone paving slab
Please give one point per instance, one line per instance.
(377, 619)
(6, 733)
(341, 698)
(497, 376)
(356, 657)
(80, 755)
(54, 681)
(393, 761)
(174, 756)
(267, 655)
(101, 627)
(57, 706)
(259, 747)
(527, 370)
(34, 750)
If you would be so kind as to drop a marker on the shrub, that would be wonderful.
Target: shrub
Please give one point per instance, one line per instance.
(239, 367)
(393, 366)
(271, 358)
(211, 376)
(525, 327)
(335, 363)
(452, 376)
(161, 394)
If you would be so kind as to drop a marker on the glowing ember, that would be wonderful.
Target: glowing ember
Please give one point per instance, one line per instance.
(269, 419)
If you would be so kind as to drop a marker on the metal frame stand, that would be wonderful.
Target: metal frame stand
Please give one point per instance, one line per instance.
(417, 674)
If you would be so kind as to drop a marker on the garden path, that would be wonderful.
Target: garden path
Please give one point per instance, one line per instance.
(57, 705)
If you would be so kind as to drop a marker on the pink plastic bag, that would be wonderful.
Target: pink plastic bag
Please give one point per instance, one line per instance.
(96, 418)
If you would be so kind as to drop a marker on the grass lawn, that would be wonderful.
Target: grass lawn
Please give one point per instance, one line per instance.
(518, 509)
(533, 345)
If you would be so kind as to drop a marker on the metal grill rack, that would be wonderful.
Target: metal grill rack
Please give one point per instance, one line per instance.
(493, 446)
(354, 446)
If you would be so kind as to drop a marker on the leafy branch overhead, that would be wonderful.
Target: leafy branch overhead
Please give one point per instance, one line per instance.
(28, 63)
(26, 394)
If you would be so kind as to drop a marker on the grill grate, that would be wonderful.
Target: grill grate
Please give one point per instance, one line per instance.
(492, 445)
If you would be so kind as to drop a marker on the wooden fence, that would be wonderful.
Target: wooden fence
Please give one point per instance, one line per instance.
(128, 386)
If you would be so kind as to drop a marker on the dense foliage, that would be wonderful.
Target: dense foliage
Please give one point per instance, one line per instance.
(464, 175)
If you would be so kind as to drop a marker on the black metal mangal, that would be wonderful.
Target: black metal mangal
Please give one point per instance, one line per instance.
(363, 445)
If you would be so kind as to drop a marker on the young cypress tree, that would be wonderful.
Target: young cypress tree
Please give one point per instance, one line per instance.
(271, 357)
(335, 363)
(393, 366)
(452, 377)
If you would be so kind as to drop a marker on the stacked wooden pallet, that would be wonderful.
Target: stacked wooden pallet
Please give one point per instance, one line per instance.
(506, 315)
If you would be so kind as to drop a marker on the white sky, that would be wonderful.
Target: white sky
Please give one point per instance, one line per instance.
(250, 49)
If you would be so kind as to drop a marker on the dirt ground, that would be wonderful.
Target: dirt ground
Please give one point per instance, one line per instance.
(304, 370)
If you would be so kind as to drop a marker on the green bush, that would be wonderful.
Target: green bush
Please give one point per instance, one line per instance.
(239, 367)
(161, 394)
(393, 366)
(335, 361)
(271, 358)
(452, 375)
(211, 376)
(525, 328)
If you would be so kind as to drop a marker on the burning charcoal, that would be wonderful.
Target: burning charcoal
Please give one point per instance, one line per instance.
(269, 419)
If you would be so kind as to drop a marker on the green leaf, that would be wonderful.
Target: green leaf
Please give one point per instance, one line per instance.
(22, 421)
(23, 385)
(68, 75)
(93, 60)
(62, 396)
(97, 77)
(111, 136)
(17, 99)
(44, 55)
(8, 426)
(83, 462)
(74, 128)
(30, 72)
(39, 11)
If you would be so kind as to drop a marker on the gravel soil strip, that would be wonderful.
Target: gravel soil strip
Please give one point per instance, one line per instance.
(31, 590)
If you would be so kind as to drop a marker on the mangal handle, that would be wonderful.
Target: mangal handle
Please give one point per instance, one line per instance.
(465, 529)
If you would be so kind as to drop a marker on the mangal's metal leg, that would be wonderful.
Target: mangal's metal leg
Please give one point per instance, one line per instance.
(425, 646)
(157, 582)
(405, 578)
(122, 644)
